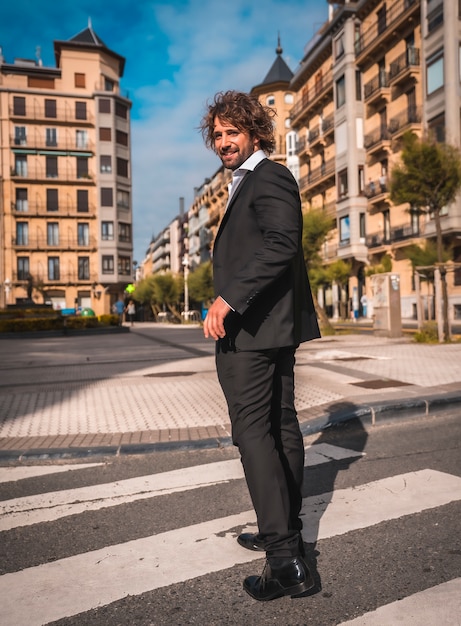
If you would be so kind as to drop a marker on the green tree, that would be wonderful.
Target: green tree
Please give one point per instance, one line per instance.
(316, 227)
(162, 292)
(385, 265)
(200, 282)
(428, 178)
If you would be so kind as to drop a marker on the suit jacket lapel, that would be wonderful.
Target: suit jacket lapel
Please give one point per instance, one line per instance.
(231, 204)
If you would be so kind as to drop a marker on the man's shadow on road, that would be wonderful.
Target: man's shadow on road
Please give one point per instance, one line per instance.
(319, 479)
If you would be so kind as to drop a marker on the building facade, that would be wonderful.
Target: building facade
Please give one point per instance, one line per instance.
(65, 178)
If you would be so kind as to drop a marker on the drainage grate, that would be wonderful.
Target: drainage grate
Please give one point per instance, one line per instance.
(168, 374)
(380, 384)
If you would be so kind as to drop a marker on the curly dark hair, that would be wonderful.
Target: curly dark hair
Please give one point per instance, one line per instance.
(243, 111)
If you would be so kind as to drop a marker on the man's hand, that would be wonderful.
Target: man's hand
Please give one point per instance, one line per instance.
(213, 325)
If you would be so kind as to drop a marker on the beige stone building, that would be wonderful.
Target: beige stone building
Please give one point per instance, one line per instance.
(65, 178)
(373, 71)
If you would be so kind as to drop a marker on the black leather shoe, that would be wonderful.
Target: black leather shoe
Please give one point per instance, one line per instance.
(251, 541)
(291, 578)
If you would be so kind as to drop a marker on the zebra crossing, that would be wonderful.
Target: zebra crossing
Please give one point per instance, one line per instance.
(72, 585)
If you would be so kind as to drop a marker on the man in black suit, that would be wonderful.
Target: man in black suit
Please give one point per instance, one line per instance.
(262, 311)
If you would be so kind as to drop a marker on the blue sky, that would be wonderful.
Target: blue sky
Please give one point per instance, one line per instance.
(178, 55)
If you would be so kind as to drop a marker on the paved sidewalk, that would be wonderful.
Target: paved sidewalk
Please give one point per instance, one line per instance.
(53, 406)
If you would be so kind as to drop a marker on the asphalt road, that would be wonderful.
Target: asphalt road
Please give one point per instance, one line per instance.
(150, 539)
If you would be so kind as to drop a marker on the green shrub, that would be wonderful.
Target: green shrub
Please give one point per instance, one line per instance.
(108, 320)
(428, 333)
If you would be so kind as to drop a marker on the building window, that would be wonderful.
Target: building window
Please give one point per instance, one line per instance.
(436, 127)
(121, 110)
(124, 265)
(382, 19)
(339, 46)
(435, 18)
(20, 164)
(52, 234)
(343, 189)
(340, 92)
(109, 84)
(53, 268)
(22, 233)
(51, 167)
(361, 180)
(82, 201)
(288, 98)
(107, 264)
(358, 85)
(83, 268)
(81, 139)
(107, 231)
(50, 108)
(19, 105)
(344, 230)
(362, 225)
(80, 110)
(121, 138)
(82, 167)
(23, 267)
(105, 134)
(22, 204)
(122, 167)
(20, 136)
(105, 164)
(83, 234)
(51, 137)
(79, 80)
(52, 200)
(435, 71)
(123, 199)
(124, 232)
(387, 225)
(104, 105)
(107, 196)
(270, 101)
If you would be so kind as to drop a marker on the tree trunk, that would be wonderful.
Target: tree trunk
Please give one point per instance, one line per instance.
(324, 322)
(443, 276)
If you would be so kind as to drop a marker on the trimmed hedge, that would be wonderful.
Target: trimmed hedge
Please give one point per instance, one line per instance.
(24, 323)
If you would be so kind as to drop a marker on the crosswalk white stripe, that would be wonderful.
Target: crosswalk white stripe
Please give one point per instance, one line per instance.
(437, 605)
(79, 583)
(11, 474)
(51, 506)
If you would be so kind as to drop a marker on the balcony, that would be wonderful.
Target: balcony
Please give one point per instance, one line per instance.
(377, 89)
(65, 209)
(406, 68)
(34, 173)
(379, 140)
(315, 97)
(406, 121)
(64, 114)
(33, 141)
(40, 243)
(320, 177)
(384, 30)
(398, 234)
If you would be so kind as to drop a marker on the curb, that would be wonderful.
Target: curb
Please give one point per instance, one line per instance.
(369, 414)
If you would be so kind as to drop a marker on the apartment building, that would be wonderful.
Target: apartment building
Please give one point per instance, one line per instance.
(373, 71)
(65, 178)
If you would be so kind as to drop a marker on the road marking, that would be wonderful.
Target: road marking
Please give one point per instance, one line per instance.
(47, 507)
(439, 605)
(85, 581)
(10, 474)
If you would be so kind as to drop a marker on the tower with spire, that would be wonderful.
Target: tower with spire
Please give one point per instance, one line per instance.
(275, 92)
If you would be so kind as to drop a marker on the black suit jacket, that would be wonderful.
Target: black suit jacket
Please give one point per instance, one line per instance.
(258, 265)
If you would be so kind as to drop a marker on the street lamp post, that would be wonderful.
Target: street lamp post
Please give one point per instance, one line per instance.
(185, 263)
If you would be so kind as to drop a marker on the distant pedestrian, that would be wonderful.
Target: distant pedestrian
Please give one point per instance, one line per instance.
(131, 311)
(364, 302)
(119, 308)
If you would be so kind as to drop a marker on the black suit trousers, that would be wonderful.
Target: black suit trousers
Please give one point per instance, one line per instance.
(259, 390)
